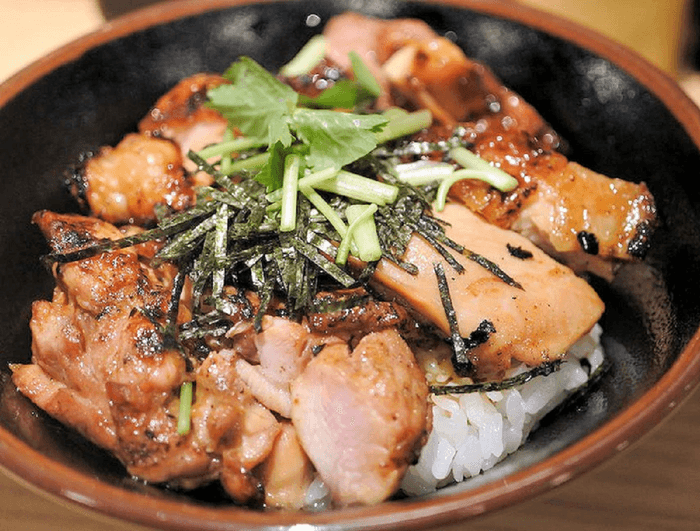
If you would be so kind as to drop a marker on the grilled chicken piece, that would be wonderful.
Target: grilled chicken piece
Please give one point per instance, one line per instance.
(362, 318)
(97, 347)
(287, 473)
(586, 220)
(283, 349)
(101, 364)
(413, 64)
(179, 115)
(124, 184)
(590, 222)
(253, 441)
(362, 416)
(608, 221)
(535, 324)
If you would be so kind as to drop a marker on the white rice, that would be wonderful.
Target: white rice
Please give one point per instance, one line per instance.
(474, 431)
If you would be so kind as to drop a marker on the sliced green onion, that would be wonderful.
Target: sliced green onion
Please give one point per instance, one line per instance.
(229, 146)
(274, 196)
(497, 177)
(344, 248)
(363, 75)
(361, 218)
(313, 179)
(307, 58)
(308, 181)
(329, 213)
(447, 182)
(252, 163)
(393, 113)
(408, 124)
(324, 208)
(185, 412)
(226, 160)
(274, 207)
(288, 214)
(423, 172)
(360, 188)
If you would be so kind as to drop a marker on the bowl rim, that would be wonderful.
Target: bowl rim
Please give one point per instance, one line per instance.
(66, 485)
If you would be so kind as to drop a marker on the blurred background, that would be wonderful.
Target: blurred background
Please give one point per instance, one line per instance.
(661, 30)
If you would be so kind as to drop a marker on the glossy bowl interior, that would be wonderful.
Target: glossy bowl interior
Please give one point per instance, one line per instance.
(618, 115)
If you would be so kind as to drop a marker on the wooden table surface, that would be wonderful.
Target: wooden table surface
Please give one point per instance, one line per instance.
(654, 485)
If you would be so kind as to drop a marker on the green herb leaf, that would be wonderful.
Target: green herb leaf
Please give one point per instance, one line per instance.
(336, 138)
(343, 94)
(264, 108)
(272, 172)
(363, 75)
(256, 102)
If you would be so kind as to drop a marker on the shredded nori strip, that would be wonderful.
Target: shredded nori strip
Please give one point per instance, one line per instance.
(106, 245)
(484, 387)
(335, 271)
(216, 322)
(186, 241)
(451, 260)
(410, 268)
(542, 370)
(460, 360)
(432, 226)
(170, 338)
(265, 290)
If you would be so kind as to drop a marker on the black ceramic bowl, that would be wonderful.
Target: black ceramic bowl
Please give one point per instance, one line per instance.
(619, 116)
